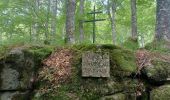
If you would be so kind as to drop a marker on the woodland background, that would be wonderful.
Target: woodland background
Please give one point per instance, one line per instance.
(44, 21)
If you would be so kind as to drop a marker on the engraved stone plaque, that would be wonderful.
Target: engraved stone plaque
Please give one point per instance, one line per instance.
(95, 64)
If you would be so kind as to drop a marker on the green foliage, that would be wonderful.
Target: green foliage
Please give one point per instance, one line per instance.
(131, 44)
(39, 52)
(158, 46)
(19, 16)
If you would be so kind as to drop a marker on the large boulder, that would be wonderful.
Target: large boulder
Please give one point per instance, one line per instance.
(161, 93)
(157, 71)
(15, 95)
(120, 96)
(18, 70)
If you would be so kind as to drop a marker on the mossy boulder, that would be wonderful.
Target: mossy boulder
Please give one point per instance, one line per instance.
(121, 59)
(122, 66)
(158, 71)
(18, 68)
(38, 53)
(161, 93)
(119, 96)
(14, 95)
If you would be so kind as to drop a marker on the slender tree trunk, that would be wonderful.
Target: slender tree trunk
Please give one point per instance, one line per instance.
(35, 24)
(163, 20)
(81, 21)
(133, 19)
(113, 23)
(47, 20)
(70, 21)
(111, 14)
(54, 19)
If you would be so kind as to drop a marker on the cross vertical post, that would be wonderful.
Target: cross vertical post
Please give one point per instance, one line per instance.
(94, 22)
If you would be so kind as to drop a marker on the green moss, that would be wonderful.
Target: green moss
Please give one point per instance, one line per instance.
(61, 94)
(84, 47)
(131, 44)
(87, 47)
(119, 96)
(124, 60)
(122, 65)
(161, 93)
(159, 71)
(158, 46)
(93, 88)
(38, 53)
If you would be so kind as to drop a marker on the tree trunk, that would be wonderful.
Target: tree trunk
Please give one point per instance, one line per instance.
(35, 23)
(53, 23)
(47, 20)
(70, 21)
(163, 20)
(111, 14)
(133, 19)
(113, 23)
(81, 21)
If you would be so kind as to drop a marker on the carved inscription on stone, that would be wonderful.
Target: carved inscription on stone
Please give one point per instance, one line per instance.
(95, 64)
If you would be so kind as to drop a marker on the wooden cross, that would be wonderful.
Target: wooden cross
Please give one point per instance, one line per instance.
(94, 21)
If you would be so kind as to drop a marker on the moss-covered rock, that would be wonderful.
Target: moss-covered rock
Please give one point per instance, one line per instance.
(119, 96)
(161, 93)
(158, 71)
(122, 59)
(19, 66)
(38, 53)
(122, 65)
(14, 95)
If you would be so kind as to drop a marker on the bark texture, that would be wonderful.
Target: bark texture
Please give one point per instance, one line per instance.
(81, 21)
(111, 13)
(163, 20)
(35, 23)
(133, 19)
(70, 21)
(54, 19)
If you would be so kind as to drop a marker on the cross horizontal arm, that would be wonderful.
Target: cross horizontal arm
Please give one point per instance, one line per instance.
(98, 12)
(94, 20)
